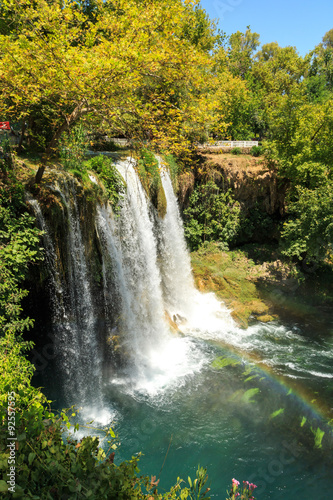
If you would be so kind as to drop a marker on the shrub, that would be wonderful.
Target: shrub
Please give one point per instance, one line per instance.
(19, 246)
(6, 156)
(212, 215)
(109, 176)
(73, 145)
(236, 151)
(256, 151)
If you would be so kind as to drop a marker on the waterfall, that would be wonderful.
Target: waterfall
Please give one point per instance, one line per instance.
(194, 312)
(133, 266)
(130, 248)
(51, 259)
(146, 281)
(74, 326)
(79, 344)
(61, 326)
(177, 280)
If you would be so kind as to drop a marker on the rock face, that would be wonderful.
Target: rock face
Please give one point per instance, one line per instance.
(252, 182)
(186, 182)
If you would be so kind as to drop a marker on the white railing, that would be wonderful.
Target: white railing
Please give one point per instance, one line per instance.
(119, 142)
(230, 144)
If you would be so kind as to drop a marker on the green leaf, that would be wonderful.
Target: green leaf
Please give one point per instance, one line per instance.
(31, 457)
(318, 435)
(303, 421)
(276, 413)
(248, 395)
(221, 362)
(3, 486)
(250, 378)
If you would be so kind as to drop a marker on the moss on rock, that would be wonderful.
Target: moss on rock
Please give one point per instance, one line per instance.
(231, 276)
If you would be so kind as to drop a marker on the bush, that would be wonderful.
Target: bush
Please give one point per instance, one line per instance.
(308, 233)
(256, 151)
(73, 145)
(109, 176)
(212, 215)
(236, 151)
(6, 156)
(19, 247)
(257, 225)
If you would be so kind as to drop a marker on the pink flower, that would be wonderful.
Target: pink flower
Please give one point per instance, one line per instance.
(235, 482)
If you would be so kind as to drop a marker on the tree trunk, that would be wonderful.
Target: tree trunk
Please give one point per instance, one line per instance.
(19, 149)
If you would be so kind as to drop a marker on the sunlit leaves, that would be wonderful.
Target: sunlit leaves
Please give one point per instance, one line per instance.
(276, 413)
(19, 247)
(222, 362)
(318, 437)
(132, 69)
(212, 215)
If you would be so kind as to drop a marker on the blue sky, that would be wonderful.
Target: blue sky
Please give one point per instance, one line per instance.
(300, 23)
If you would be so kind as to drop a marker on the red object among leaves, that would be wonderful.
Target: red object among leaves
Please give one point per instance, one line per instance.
(4, 126)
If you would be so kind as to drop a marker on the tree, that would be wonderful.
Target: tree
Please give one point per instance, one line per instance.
(308, 234)
(328, 39)
(321, 68)
(303, 149)
(233, 108)
(130, 69)
(240, 51)
(277, 70)
(199, 29)
(212, 215)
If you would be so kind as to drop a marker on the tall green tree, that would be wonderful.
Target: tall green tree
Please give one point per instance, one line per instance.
(240, 51)
(303, 149)
(321, 68)
(130, 68)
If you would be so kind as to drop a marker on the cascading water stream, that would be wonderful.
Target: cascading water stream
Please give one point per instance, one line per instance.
(130, 256)
(84, 385)
(194, 312)
(65, 335)
(78, 355)
(178, 285)
(51, 260)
